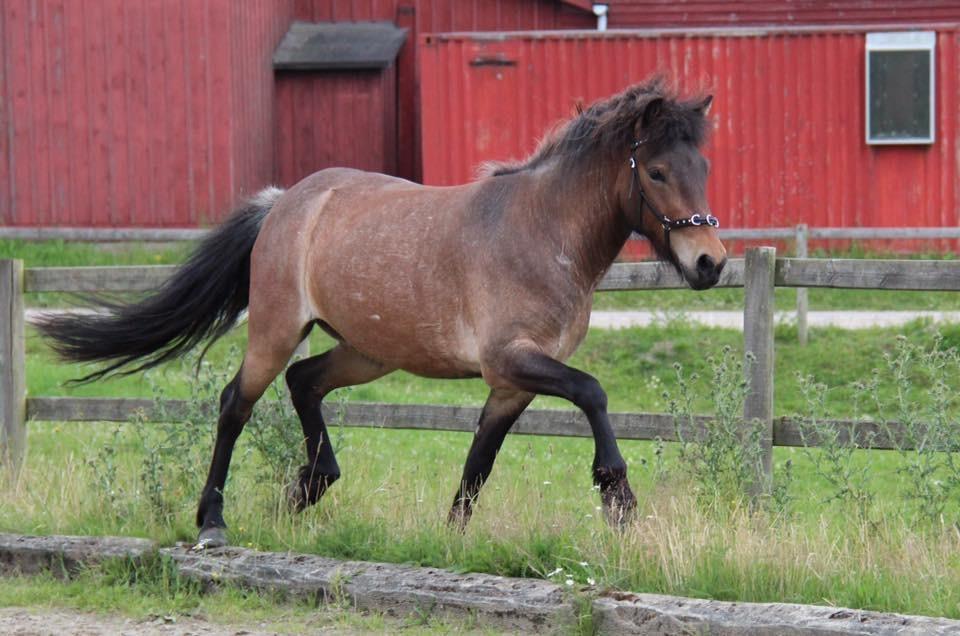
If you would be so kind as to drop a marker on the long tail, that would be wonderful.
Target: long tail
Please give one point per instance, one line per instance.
(201, 301)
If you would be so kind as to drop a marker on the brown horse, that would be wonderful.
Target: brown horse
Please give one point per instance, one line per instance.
(493, 279)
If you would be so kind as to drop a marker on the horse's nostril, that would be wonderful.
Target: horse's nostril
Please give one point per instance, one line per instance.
(706, 265)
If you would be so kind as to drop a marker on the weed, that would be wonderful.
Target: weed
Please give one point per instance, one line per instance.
(275, 433)
(725, 461)
(104, 467)
(927, 435)
(831, 450)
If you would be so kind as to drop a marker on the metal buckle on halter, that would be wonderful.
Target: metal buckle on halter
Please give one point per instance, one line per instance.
(712, 221)
(695, 219)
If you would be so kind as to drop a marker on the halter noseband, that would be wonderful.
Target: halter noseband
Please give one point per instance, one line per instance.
(668, 224)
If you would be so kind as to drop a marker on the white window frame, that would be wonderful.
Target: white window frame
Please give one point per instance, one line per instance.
(902, 41)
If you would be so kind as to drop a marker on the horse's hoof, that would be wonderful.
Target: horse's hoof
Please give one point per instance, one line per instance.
(619, 505)
(459, 517)
(619, 517)
(296, 497)
(213, 537)
(308, 488)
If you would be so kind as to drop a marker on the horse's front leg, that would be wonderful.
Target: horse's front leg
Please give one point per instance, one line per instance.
(523, 366)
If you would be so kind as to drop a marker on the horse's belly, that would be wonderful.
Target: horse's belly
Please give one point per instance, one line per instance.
(430, 348)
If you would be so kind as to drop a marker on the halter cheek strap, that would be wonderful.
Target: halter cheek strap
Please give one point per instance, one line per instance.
(668, 224)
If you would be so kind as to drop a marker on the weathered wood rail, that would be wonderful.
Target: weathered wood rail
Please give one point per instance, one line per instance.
(759, 273)
(799, 234)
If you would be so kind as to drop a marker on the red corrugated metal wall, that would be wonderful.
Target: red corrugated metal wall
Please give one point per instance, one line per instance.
(789, 110)
(319, 108)
(675, 13)
(134, 112)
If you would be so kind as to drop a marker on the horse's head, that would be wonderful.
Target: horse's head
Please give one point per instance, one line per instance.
(663, 188)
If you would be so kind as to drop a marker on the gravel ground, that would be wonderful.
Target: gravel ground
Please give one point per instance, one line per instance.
(725, 319)
(734, 319)
(19, 621)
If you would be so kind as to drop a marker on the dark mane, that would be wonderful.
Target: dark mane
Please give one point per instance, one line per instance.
(607, 126)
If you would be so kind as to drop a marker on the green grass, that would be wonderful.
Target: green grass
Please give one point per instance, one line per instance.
(75, 254)
(539, 511)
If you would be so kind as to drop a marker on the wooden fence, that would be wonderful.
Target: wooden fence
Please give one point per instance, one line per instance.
(759, 273)
(800, 235)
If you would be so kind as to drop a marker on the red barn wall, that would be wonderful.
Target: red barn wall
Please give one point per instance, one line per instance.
(134, 112)
(789, 112)
(163, 112)
(336, 118)
(315, 96)
(674, 13)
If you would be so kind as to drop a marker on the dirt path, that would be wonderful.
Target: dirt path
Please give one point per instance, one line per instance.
(734, 319)
(44, 621)
(21, 621)
(603, 319)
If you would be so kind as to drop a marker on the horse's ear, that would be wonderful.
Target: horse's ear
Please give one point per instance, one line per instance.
(704, 107)
(651, 111)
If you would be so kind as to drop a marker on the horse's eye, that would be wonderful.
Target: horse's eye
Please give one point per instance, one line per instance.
(657, 175)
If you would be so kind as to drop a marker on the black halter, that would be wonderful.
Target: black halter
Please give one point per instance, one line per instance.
(668, 224)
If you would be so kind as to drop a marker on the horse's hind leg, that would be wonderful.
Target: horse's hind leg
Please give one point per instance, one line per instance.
(309, 381)
(268, 351)
(501, 410)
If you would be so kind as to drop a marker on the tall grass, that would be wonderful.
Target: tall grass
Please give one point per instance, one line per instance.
(871, 529)
(538, 515)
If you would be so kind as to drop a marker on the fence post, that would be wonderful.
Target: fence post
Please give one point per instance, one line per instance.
(13, 384)
(802, 304)
(758, 281)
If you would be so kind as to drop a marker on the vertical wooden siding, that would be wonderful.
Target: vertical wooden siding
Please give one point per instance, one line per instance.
(162, 112)
(335, 118)
(134, 112)
(789, 140)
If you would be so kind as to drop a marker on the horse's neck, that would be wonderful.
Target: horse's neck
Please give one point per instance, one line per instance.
(583, 220)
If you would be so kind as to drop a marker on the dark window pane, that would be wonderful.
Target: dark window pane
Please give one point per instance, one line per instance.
(899, 94)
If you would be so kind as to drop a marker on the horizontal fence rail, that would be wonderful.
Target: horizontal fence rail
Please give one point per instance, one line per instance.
(754, 273)
(790, 272)
(787, 431)
(107, 235)
(101, 234)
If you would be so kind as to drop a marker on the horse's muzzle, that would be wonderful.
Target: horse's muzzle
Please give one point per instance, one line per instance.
(707, 273)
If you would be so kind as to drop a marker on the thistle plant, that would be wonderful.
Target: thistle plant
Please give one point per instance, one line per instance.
(723, 460)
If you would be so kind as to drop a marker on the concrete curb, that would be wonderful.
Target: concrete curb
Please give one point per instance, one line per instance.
(523, 605)
(511, 604)
(649, 614)
(64, 555)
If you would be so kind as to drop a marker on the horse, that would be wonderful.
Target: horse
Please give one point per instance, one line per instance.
(491, 279)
